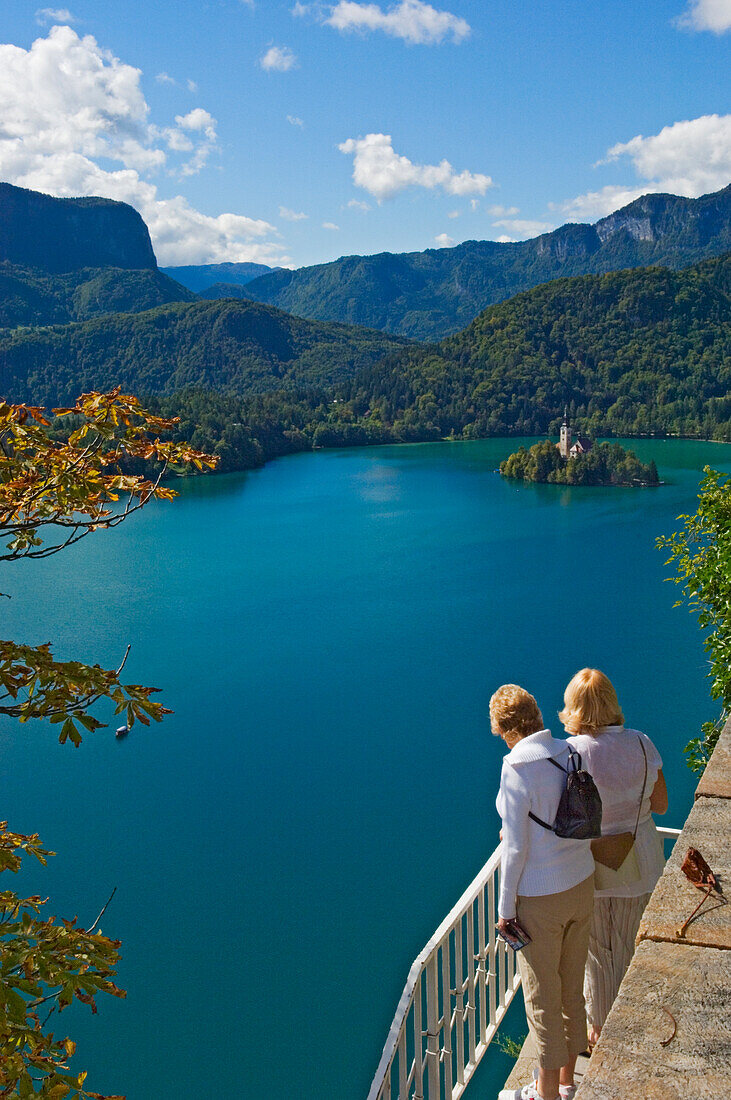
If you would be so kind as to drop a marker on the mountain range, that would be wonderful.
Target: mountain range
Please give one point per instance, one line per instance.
(646, 349)
(429, 295)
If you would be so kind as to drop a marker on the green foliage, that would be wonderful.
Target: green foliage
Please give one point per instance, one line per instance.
(227, 346)
(604, 464)
(54, 492)
(701, 555)
(427, 295)
(31, 296)
(46, 965)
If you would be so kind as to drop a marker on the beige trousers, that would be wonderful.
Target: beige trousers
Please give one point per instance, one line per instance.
(611, 946)
(552, 970)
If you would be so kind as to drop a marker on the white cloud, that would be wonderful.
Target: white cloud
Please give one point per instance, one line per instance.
(688, 158)
(293, 120)
(524, 227)
(411, 20)
(502, 211)
(44, 16)
(165, 78)
(68, 104)
(330, 225)
(278, 59)
(198, 119)
(383, 173)
(474, 203)
(291, 215)
(301, 9)
(356, 204)
(597, 204)
(505, 239)
(444, 240)
(191, 85)
(706, 15)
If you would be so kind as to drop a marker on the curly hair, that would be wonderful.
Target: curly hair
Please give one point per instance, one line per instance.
(513, 710)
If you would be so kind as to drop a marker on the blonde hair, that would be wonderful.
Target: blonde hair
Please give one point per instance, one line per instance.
(590, 702)
(514, 711)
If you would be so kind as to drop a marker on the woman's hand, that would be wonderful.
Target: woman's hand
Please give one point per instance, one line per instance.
(503, 925)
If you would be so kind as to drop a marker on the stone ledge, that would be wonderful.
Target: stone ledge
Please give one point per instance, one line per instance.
(674, 898)
(716, 779)
(630, 1061)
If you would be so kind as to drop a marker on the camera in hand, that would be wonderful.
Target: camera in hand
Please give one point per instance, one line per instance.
(515, 935)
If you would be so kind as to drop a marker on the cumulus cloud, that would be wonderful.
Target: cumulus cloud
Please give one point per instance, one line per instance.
(502, 211)
(688, 158)
(278, 59)
(44, 16)
(330, 225)
(444, 240)
(706, 15)
(165, 78)
(291, 215)
(69, 104)
(356, 204)
(293, 120)
(521, 228)
(378, 169)
(413, 21)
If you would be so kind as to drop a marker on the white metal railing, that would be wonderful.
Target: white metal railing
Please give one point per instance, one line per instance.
(460, 985)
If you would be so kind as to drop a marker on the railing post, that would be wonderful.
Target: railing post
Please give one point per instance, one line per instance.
(459, 999)
(418, 1044)
(432, 1026)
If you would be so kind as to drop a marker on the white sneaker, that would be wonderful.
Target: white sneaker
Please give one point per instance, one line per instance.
(528, 1092)
(567, 1092)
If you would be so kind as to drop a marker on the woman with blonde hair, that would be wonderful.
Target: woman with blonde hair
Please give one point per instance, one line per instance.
(547, 883)
(627, 769)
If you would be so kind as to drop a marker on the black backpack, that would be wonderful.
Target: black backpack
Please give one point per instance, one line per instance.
(579, 814)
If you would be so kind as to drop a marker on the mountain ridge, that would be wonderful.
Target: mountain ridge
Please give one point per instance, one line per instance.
(432, 294)
(63, 235)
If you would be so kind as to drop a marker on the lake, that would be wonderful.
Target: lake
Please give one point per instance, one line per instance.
(328, 631)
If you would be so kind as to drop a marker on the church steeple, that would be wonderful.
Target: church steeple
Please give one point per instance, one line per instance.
(564, 445)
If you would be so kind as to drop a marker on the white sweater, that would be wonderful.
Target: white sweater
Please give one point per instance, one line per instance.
(614, 758)
(535, 861)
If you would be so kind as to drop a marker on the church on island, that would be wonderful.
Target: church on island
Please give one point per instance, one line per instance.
(566, 448)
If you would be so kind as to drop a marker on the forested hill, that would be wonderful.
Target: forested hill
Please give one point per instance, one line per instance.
(427, 295)
(32, 296)
(58, 235)
(199, 277)
(632, 353)
(232, 347)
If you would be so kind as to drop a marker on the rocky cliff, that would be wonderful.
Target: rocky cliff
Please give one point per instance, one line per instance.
(61, 235)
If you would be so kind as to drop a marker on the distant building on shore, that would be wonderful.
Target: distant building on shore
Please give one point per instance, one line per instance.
(566, 448)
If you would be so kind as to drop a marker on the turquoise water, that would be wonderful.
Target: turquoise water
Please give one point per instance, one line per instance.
(328, 631)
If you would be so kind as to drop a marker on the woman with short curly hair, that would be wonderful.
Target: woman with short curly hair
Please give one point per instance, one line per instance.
(547, 882)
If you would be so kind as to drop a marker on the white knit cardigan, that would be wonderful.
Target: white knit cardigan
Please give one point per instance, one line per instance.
(535, 861)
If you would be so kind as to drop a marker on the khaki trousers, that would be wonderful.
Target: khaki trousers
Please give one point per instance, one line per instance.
(552, 970)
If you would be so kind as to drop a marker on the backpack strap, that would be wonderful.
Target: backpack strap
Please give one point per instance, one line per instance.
(538, 820)
(573, 766)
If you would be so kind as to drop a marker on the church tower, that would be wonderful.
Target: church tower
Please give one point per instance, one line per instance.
(564, 445)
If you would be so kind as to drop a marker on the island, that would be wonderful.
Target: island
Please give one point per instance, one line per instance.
(579, 463)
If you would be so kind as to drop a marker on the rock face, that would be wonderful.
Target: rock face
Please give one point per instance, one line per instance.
(432, 294)
(61, 235)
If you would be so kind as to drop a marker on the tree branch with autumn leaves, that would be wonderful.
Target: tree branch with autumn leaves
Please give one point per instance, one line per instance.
(53, 493)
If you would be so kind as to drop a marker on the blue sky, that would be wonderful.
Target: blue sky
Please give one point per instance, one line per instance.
(293, 133)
